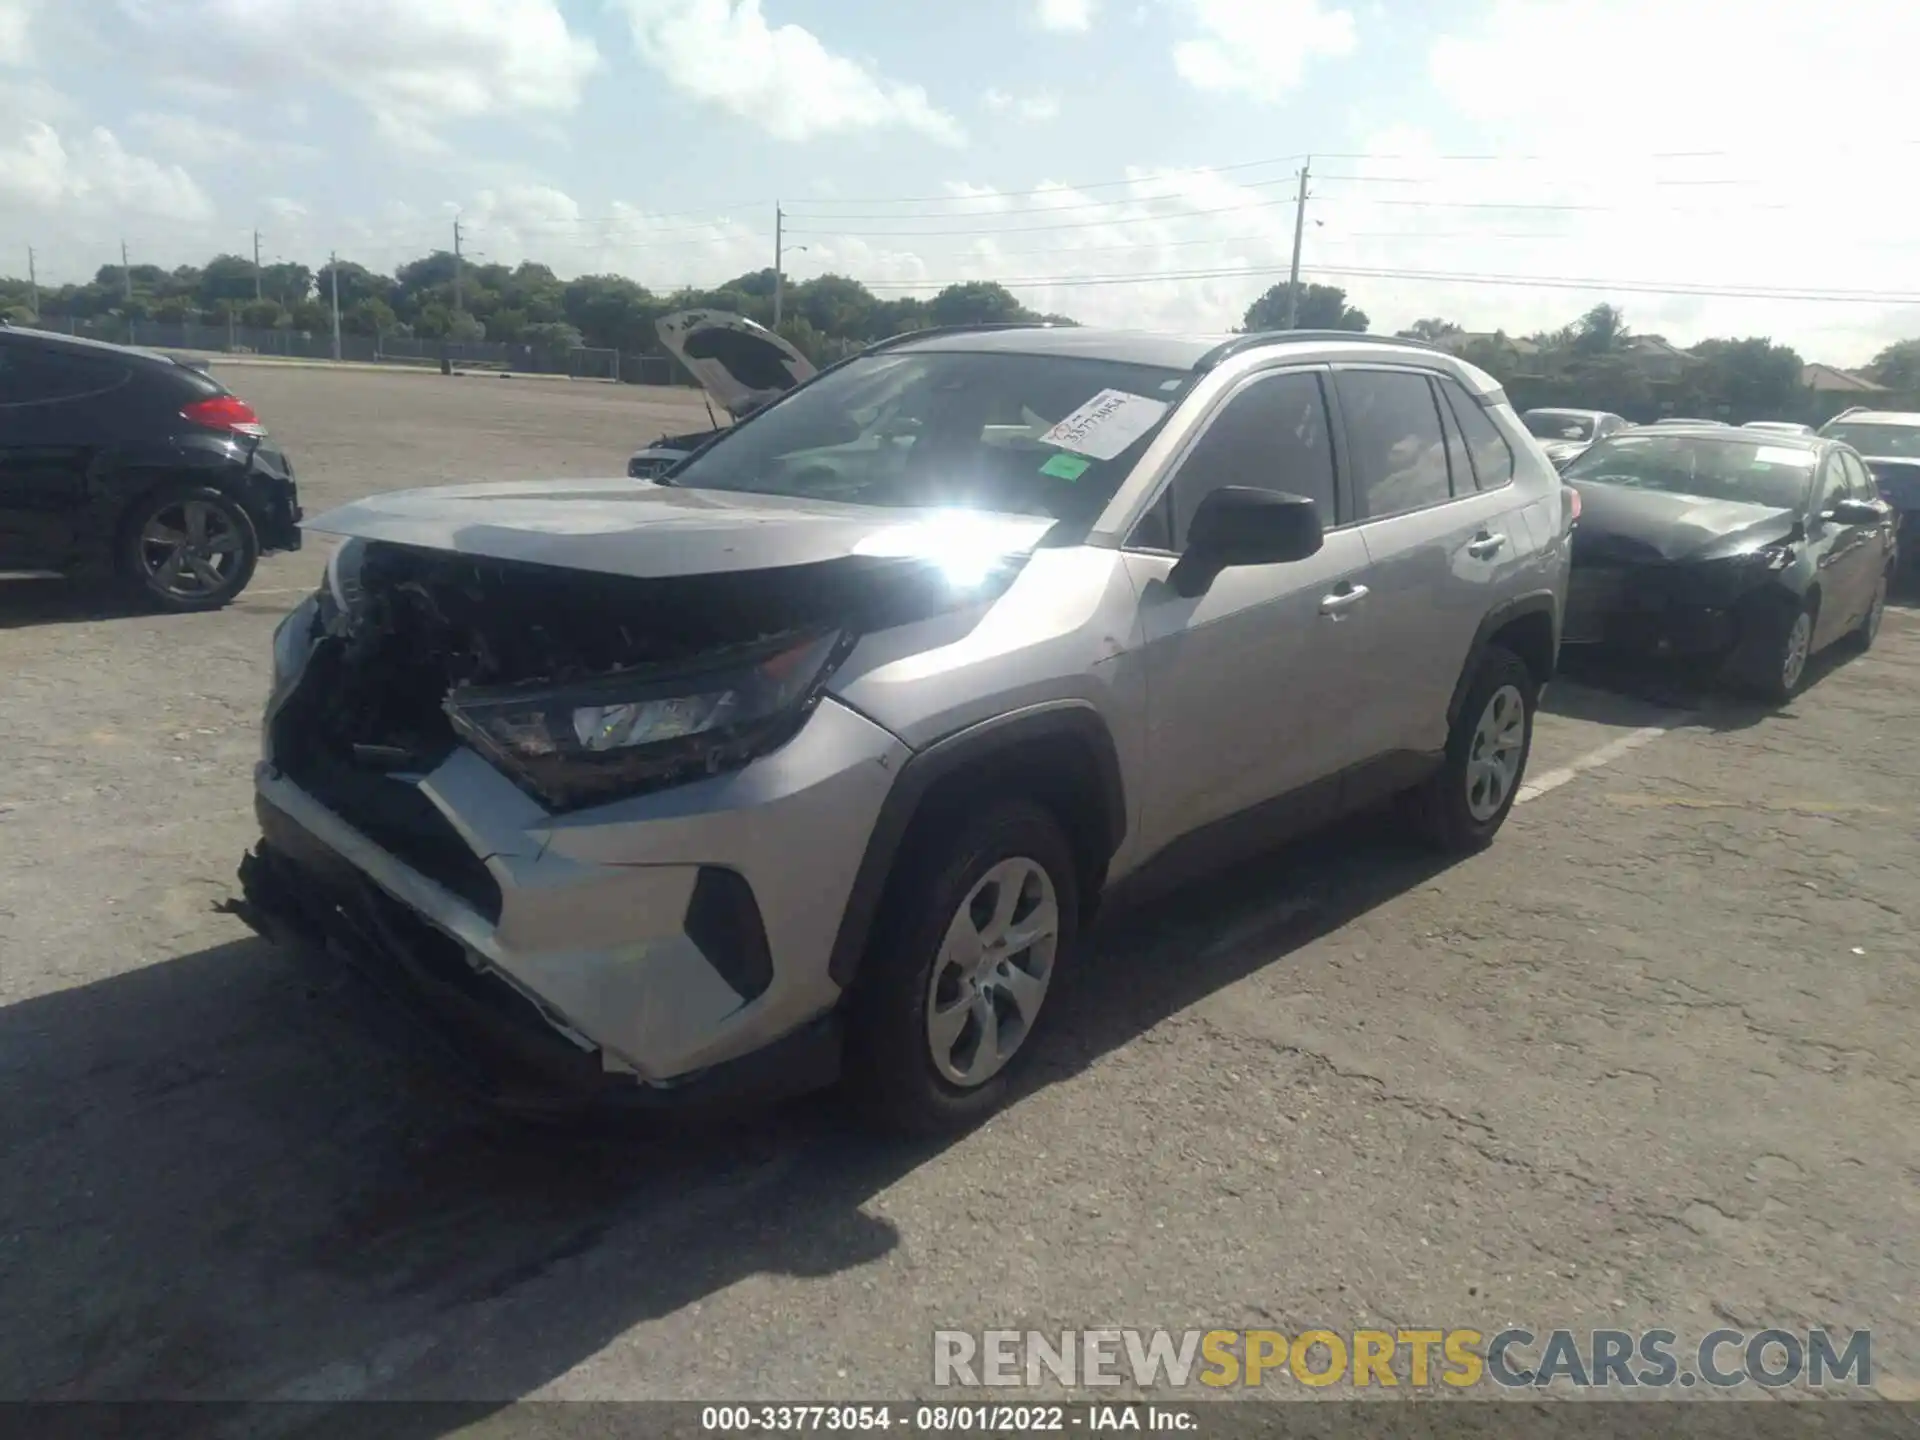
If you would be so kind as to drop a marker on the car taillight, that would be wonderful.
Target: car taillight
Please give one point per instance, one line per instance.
(225, 412)
(1573, 507)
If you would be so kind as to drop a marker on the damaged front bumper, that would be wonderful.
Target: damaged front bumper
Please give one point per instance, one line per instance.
(660, 948)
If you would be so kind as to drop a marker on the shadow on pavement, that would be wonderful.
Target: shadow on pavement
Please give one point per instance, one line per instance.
(57, 602)
(216, 1186)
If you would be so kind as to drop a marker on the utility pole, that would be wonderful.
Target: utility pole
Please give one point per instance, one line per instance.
(333, 273)
(459, 288)
(779, 279)
(126, 274)
(256, 266)
(1299, 231)
(33, 284)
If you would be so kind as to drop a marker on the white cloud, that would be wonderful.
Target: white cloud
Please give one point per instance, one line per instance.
(1064, 15)
(1707, 187)
(1040, 107)
(1259, 48)
(194, 141)
(15, 16)
(781, 78)
(43, 174)
(412, 65)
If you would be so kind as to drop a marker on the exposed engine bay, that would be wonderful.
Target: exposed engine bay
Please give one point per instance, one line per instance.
(574, 681)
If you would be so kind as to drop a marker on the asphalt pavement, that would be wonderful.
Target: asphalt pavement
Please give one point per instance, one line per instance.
(1648, 1061)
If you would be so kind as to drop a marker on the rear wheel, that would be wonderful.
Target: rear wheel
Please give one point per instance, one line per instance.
(975, 928)
(187, 548)
(1463, 804)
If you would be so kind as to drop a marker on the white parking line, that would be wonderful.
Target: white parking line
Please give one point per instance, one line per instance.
(1605, 755)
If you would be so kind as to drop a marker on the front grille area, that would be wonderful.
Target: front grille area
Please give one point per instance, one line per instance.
(387, 808)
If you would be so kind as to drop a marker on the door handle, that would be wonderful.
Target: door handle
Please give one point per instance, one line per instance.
(1344, 598)
(1483, 545)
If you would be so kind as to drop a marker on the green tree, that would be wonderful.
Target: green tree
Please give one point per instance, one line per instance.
(977, 302)
(1322, 307)
(1897, 367)
(1601, 330)
(357, 283)
(1431, 330)
(552, 341)
(226, 277)
(1753, 379)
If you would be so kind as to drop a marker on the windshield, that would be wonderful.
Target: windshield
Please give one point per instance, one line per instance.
(1893, 442)
(944, 428)
(1558, 425)
(1758, 471)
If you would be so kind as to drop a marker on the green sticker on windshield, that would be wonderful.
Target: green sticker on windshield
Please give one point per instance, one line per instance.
(1066, 467)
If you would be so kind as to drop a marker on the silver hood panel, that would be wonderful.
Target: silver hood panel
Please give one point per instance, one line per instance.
(740, 364)
(629, 527)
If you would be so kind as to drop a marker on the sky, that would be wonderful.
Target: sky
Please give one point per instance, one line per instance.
(1505, 164)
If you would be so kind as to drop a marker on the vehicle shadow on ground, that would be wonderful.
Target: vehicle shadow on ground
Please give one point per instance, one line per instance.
(1629, 693)
(63, 602)
(218, 1185)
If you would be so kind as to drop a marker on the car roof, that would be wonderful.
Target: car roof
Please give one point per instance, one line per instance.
(83, 345)
(1565, 410)
(1129, 347)
(1142, 347)
(1878, 417)
(1713, 430)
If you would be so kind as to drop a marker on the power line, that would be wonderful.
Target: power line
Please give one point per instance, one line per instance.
(1561, 282)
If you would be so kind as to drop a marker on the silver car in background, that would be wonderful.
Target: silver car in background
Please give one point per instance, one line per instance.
(818, 759)
(1566, 434)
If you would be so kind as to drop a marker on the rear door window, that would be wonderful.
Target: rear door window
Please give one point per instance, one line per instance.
(1492, 456)
(30, 375)
(1399, 451)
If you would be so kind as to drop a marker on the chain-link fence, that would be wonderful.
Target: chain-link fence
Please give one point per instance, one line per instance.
(370, 349)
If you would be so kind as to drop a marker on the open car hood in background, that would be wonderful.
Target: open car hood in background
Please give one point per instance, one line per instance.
(740, 364)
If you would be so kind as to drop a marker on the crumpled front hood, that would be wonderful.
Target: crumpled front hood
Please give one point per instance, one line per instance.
(628, 527)
(740, 364)
(1652, 524)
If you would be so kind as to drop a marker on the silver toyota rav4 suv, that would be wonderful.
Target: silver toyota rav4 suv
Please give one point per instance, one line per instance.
(814, 758)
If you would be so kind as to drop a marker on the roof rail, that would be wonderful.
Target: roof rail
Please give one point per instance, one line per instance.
(1239, 344)
(932, 330)
(1850, 410)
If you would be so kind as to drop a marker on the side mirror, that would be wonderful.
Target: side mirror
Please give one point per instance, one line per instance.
(1856, 512)
(1238, 525)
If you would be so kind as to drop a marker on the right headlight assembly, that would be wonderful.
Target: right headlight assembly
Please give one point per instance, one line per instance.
(637, 730)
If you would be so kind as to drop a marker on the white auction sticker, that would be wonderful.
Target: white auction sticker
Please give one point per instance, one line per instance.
(1780, 455)
(1106, 424)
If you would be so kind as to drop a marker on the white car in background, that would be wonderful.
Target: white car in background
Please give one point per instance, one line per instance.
(740, 364)
(1566, 434)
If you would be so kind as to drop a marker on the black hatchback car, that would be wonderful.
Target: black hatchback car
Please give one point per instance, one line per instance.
(132, 464)
(1731, 546)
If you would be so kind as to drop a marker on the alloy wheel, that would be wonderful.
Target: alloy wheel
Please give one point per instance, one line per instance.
(992, 973)
(1493, 761)
(191, 549)
(1799, 642)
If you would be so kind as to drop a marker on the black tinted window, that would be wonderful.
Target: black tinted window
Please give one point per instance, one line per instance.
(30, 375)
(1492, 456)
(1272, 435)
(1458, 464)
(1399, 453)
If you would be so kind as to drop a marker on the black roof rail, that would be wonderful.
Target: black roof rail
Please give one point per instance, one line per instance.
(932, 330)
(1239, 344)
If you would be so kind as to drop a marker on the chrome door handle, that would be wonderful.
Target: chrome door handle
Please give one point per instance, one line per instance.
(1342, 599)
(1486, 545)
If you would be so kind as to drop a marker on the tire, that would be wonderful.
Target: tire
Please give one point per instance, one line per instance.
(1861, 638)
(1463, 804)
(1776, 675)
(907, 1082)
(157, 533)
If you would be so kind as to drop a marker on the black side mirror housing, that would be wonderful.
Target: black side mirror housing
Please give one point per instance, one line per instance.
(1239, 525)
(1856, 512)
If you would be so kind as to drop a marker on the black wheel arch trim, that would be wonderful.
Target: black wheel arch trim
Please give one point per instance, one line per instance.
(1492, 623)
(1075, 719)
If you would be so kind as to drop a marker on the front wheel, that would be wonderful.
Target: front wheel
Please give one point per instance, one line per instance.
(1868, 630)
(188, 548)
(1463, 804)
(971, 939)
(1780, 666)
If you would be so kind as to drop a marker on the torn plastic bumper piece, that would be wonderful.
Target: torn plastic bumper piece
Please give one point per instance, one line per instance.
(486, 1034)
